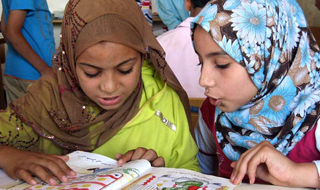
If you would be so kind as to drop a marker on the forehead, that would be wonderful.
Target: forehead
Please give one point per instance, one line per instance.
(107, 49)
(204, 42)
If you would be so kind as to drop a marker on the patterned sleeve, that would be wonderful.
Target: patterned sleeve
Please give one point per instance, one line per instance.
(207, 150)
(15, 133)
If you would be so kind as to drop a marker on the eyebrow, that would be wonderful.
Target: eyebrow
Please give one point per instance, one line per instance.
(215, 54)
(121, 63)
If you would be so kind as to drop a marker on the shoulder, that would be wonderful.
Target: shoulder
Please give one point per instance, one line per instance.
(208, 111)
(27, 5)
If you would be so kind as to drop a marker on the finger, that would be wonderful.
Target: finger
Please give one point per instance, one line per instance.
(158, 162)
(236, 166)
(240, 168)
(125, 158)
(64, 158)
(255, 161)
(149, 155)
(26, 176)
(43, 174)
(118, 156)
(56, 166)
(61, 162)
(233, 164)
(139, 153)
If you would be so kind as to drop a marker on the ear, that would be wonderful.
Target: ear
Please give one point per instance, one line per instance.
(187, 5)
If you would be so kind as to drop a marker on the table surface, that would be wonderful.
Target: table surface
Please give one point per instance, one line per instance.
(245, 186)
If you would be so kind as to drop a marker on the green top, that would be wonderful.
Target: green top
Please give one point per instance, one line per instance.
(160, 124)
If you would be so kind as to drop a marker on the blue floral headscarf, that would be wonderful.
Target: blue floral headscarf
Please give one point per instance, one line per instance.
(271, 39)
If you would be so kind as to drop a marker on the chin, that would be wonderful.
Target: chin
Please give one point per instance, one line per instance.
(226, 109)
(113, 107)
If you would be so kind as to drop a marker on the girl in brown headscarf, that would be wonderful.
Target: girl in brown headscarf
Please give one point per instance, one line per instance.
(112, 92)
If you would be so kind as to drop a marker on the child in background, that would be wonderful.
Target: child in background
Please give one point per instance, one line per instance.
(172, 12)
(112, 92)
(260, 70)
(27, 27)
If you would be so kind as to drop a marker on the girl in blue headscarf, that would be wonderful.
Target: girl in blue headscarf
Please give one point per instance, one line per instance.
(172, 12)
(260, 70)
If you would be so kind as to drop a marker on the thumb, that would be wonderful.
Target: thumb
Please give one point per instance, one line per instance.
(118, 156)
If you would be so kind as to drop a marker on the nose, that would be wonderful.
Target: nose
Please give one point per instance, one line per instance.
(109, 84)
(207, 77)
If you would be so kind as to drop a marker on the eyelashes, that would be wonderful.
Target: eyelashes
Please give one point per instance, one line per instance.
(223, 66)
(92, 75)
(217, 66)
(126, 72)
(120, 71)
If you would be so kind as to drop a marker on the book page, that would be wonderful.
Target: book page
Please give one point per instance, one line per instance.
(171, 178)
(103, 173)
(131, 170)
(7, 182)
(87, 163)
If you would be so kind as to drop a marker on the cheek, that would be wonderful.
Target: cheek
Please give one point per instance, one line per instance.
(130, 83)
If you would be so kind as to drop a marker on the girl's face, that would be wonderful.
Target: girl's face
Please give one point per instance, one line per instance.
(108, 73)
(227, 83)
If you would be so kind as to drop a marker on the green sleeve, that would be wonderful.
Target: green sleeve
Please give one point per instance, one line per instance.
(184, 148)
(15, 133)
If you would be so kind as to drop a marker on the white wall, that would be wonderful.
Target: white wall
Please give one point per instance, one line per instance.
(57, 5)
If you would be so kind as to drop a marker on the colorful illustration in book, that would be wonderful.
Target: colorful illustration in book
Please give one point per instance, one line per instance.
(168, 182)
(85, 182)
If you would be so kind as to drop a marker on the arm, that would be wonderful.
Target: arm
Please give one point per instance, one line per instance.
(267, 163)
(13, 28)
(207, 156)
(3, 26)
(24, 163)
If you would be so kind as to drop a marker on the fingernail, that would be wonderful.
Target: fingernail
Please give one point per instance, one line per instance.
(52, 181)
(232, 177)
(64, 178)
(72, 173)
(236, 180)
(33, 182)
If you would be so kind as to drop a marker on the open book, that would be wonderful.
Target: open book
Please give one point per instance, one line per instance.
(99, 172)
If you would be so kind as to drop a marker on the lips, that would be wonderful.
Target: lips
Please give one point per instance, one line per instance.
(215, 102)
(110, 101)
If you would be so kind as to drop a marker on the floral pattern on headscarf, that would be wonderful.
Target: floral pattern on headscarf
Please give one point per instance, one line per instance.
(270, 38)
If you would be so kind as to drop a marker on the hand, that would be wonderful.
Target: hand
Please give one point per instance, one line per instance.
(265, 162)
(24, 164)
(141, 153)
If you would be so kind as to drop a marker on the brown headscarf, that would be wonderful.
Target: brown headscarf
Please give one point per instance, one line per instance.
(56, 107)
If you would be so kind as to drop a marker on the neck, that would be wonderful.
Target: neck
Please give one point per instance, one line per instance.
(195, 11)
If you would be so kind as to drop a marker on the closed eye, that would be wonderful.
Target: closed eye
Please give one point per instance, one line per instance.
(92, 75)
(126, 72)
(223, 66)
